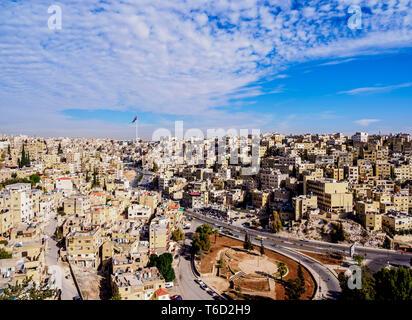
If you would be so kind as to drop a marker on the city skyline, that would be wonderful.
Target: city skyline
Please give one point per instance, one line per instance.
(274, 66)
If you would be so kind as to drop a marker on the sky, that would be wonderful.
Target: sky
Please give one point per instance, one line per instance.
(286, 66)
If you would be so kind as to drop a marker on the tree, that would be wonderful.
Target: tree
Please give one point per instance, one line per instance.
(27, 290)
(59, 149)
(177, 235)
(294, 289)
(116, 296)
(216, 233)
(9, 150)
(276, 222)
(359, 259)
(262, 248)
(393, 284)
(387, 244)
(34, 179)
(163, 264)
(282, 269)
(155, 167)
(87, 176)
(301, 276)
(96, 182)
(247, 244)
(4, 254)
(338, 233)
(202, 240)
(367, 292)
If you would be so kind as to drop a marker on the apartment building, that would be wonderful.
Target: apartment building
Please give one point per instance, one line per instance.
(395, 221)
(83, 247)
(76, 205)
(271, 178)
(303, 204)
(159, 233)
(139, 212)
(260, 199)
(139, 285)
(331, 195)
(17, 199)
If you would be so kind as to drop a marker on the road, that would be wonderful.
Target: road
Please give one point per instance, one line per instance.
(67, 285)
(146, 180)
(186, 284)
(375, 258)
(329, 284)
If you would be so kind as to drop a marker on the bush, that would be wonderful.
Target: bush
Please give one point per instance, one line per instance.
(4, 254)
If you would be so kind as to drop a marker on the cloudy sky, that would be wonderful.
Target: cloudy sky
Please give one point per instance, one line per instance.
(274, 65)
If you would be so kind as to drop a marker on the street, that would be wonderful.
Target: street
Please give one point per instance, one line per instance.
(68, 287)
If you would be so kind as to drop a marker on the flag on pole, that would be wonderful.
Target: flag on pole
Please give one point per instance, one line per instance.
(135, 119)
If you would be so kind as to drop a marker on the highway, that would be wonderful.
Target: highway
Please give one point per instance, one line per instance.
(376, 258)
(329, 285)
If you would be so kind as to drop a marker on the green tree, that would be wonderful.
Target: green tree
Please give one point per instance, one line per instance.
(301, 277)
(247, 244)
(282, 269)
(393, 284)
(359, 259)
(34, 179)
(262, 248)
(9, 150)
(155, 167)
(338, 233)
(216, 233)
(367, 292)
(163, 264)
(116, 296)
(294, 289)
(59, 149)
(27, 290)
(177, 235)
(276, 222)
(4, 254)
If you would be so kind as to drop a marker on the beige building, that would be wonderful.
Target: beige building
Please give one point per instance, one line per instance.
(83, 247)
(303, 204)
(332, 195)
(140, 285)
(396, 221)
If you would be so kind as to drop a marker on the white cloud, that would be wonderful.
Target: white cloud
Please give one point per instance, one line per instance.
(377, 89)
(366, 122)
(175, 57)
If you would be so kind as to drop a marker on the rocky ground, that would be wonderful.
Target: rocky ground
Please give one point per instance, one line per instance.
(320, 229)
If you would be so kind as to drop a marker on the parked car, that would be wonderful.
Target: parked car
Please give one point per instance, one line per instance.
(204, 287)
(176, 297)
(211, 292)
(169, 284)
(77, 298)
(199, 281)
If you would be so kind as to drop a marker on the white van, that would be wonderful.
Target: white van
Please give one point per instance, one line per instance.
(169, 284)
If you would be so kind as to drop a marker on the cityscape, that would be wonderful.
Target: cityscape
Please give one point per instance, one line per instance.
(212, 151)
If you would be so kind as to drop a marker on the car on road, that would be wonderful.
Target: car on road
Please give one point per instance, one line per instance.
(177, 256)
(169, 284)
(199, 281)
(204, 287)
(176, 297)
(211, 292)
(77, 298)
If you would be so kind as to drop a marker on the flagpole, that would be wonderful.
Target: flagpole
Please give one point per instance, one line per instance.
(136, 132)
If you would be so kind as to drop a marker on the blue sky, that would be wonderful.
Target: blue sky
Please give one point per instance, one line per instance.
(286, 66)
